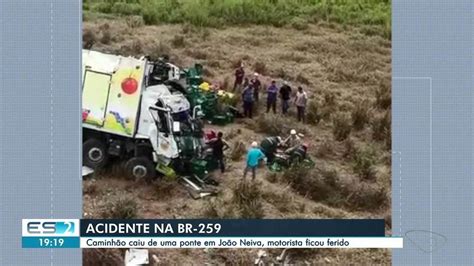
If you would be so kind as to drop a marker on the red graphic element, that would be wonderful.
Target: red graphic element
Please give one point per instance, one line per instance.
(129, 85)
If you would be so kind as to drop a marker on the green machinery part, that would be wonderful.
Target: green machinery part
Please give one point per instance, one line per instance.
(214, 110)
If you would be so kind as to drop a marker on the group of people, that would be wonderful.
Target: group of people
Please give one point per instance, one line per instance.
(250, 90)
(266, 151)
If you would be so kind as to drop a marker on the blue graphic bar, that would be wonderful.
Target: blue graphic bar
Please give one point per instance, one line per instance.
(233, 227)
(50, 242)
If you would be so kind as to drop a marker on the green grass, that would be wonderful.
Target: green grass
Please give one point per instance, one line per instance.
(374, 16)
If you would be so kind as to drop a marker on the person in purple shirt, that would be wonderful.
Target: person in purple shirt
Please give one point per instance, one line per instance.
(247, 98)
(272, 92)
(254, 156)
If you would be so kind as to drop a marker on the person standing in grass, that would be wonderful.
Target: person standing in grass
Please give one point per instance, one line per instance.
(247, 98)
(285, 94)
(300, 102)
(218, 148)
(254, 156)
(256, 84)
(272, 92)
(239, 77)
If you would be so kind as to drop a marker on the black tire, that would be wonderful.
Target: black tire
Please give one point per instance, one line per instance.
(94, 154)
(140, 168)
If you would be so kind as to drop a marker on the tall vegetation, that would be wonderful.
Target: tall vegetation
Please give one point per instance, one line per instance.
(375, 14)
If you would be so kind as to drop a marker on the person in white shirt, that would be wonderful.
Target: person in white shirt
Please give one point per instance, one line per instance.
(300, 102)
(291, 142)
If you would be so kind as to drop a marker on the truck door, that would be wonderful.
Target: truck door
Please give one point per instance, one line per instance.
(95, 93)
(167, 145)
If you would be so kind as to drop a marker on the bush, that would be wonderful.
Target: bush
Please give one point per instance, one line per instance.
(276, 125)
(307, 183)
(103, 7)
(341, 126)
(364, 161)
(325, 148)
(330, 176)
(106, 37)
(360, 115)
(178, 41)
(120, 207)
(324, 185)
(299, 23)
(270, 124)
(329, 99)
(313, 114)
(369, 197)
(281, 201)
(301, 78)
(237, 151)
(134, 22)
(126, 9)
(247, 197)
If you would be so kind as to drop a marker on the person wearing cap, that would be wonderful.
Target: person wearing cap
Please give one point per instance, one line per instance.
(272, 92)
(247, 98)
(239, 77)
(269, 147)
(285, 94)
(300, 102)
(256, 85)
(292, 142)
(254, 155)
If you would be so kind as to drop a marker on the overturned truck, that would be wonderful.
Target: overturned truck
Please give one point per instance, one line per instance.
(129, 114)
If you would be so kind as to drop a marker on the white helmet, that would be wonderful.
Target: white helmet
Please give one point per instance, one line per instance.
(293, 132)
(254, 144)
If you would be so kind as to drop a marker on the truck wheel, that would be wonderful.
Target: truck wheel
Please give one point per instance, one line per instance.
(94, 154)
(140, 168)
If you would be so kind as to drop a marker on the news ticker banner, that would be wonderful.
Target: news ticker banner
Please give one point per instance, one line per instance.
(206, 233)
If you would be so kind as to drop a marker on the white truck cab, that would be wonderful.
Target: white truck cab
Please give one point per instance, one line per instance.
(128, 113)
